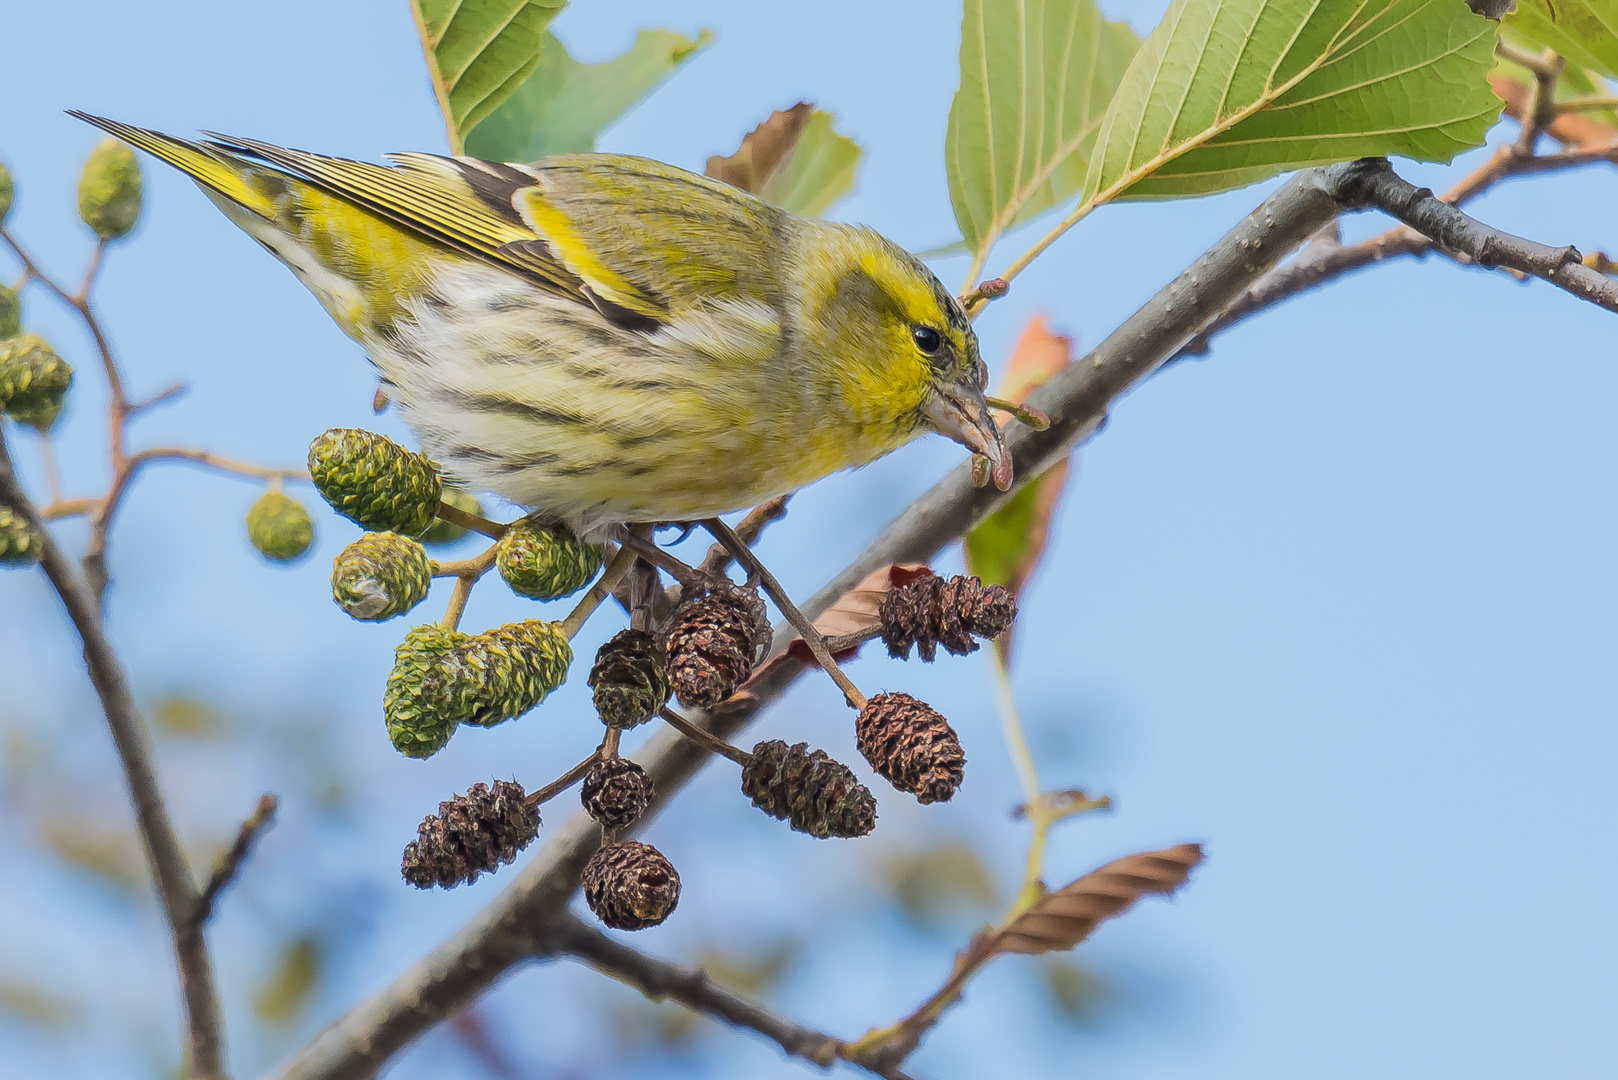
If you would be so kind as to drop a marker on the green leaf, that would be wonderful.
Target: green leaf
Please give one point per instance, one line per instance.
(795, 159)
(564, 105)
(1036, 79)
(1228, 92)
(1584, 31)
(282, 995)
(479, 52)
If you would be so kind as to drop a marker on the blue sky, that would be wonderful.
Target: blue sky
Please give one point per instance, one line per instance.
(1337, 601)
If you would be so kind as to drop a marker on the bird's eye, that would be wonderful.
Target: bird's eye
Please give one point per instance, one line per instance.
(926, 339)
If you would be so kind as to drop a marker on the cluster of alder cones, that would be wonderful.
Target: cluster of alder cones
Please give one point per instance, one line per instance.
(708, 649)
(443, 679)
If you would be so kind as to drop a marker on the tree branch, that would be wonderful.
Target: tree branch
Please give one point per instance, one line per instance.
(659, 979)
(230, 864)
(1376, 185)
(171, 876)
(1076, 401)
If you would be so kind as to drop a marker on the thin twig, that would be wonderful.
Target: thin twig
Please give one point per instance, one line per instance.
(704, 738)
(658, 979)
(467, 572)
(477, 523)
(614, 573)
(563, 782)
(749, 528)
(801, 622)
(678, 569)
(230, 864)
(171, 876)
(1376, 185)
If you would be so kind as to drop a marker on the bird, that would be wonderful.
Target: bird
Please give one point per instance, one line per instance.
(605, 339)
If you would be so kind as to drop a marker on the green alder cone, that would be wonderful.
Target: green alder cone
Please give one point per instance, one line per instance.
(19, 544)
(6, 192)
(546, 562)
(33, 381)
(10, 313)
(442, 532)
(375, 482)
(515, 666)
(381, 575)
(417, 723)
(279, 527)
(110, 189)
(442, 678)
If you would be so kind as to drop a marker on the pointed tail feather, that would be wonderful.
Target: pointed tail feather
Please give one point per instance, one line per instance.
(207, 165)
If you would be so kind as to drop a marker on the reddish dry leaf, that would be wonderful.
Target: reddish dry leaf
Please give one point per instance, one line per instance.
(763, 150)
(1062, 919)
(860, 608)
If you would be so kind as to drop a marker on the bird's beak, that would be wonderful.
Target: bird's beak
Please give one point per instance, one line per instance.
(959, 412)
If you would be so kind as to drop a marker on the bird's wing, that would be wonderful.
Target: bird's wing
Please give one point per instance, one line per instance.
(641, 241)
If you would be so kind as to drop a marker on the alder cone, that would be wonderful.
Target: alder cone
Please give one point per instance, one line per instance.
(713, 643)
(629, 679)
(615, 792)
(953, 612)
(470, 834)
(630, 885)
(810, 791)
(911, 746)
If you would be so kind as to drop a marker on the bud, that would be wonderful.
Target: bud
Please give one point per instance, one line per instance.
(931, 611)
(442, 533)
(911, 746)
(630, 885)
(546, 562)
(380, 575)
(6, 192)
(630, 679)
(615, 792)
(19, 544)
(10, 312)
(109, 189)
(279, 527)
(811, 792)
(33, 381)
(418, 725)
(470, 834)
(374, 481)
(713, 644)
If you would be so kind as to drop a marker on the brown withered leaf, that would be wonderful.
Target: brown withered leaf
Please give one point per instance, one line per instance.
(1060, 920)
(859, 609)
(1006, 547)
(763, 150)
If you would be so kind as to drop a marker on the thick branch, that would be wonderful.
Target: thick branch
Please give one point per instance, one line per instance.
(659, 979)
(1076, 400)
(170, 874)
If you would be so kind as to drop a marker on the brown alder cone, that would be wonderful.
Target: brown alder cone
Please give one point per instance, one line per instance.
(470, 834)
(615, 792)
(630, 885)
(911, 746)
(629, 679)
(810, 791)
(713, 643)
(952, 612)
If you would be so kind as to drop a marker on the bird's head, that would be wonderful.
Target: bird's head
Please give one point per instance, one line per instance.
(908, 353)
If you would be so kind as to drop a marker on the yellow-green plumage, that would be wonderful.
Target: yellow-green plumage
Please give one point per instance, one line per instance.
(604, 338)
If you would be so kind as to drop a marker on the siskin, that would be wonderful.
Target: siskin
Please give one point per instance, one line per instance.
(604, 338)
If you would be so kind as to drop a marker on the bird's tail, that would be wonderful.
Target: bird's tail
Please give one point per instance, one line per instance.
(211, 166)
